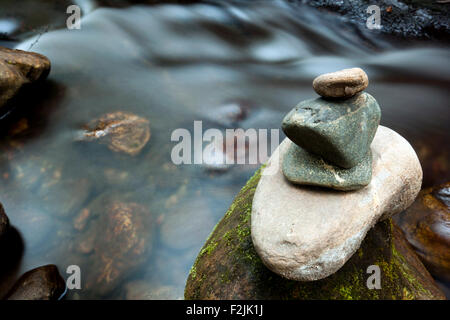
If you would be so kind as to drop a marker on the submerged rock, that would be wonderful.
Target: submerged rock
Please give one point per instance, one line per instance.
(43, 283)
(116, 237)
(426, 225)
(4, 221)
(338, 131)
(121, 131)
(228, 266)
(308, 234)
(341, 84)
(18, 68)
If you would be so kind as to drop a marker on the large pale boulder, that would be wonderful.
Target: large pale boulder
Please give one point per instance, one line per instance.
(306, 234)
(228, 267)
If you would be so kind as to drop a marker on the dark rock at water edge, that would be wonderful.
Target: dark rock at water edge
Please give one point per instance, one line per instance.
(4, 221)
(423, 19)
(426, 225)
(229, 268)
(42, 283)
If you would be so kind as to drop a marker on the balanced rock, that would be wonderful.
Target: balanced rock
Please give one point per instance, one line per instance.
(341, 84)
(302, 167)
(340, 132)
(308, 234)
(228, 266)
(4, 221)
(18, 68)
(43, 283)
(426, 225)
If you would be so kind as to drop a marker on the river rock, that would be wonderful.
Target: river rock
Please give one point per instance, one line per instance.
(302, 167)
(228, 266)
(308, 234)
(4, 221)
(426, 225)
(341, 84)
(122, 132)
(116, 237)
(18, 68)
(43, 283)
(340, 132)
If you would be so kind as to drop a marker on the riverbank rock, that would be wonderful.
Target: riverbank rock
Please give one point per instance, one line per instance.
(340, 132)
(18, 68)
(228, 266)
(426, 225)
(341, 84)
(43, 283)
(4, 221)
(308, 234)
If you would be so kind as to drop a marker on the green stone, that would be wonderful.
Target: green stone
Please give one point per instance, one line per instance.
(339, 131)
(302, 167)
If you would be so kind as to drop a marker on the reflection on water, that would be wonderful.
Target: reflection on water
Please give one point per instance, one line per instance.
(136, 223)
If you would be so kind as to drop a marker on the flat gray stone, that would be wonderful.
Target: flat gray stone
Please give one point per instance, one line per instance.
(302, 167)
(338, 131)
(305, 234)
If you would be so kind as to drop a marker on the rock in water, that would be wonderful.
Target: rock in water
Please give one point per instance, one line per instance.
(43, 283)
(121, 131)
(4, 221)
(308, 234)
(18, 68)
(116, 237)
(426, 225)
(341, 84)
(229, 268)
(340, 132)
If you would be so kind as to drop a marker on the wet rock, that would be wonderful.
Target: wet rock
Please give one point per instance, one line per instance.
(142, 290)
(228, 266)
(121, 131)
(116, 237)
(18, 68)
(405, 18)
(426, 225)
(338, 131)
(299, 232)
(341, 84)
(43, 283)
(4, 221)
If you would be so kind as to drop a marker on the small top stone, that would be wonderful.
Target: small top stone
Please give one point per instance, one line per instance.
(341, 84)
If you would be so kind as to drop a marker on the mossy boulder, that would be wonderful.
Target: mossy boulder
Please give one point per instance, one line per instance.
(229, 268)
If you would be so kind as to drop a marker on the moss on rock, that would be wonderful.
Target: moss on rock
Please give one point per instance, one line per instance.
(229, 268)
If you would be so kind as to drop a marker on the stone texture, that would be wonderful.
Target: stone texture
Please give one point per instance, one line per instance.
(426, 225)
(341, 84)
(4, 221)
(18, 68)
(338, 131)
(302, 167)
(43, 283)
(308, 234)
(124, 243)
(228, 267)
(121, 131)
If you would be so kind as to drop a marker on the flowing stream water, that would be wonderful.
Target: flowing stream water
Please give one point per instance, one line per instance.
(240, 65)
